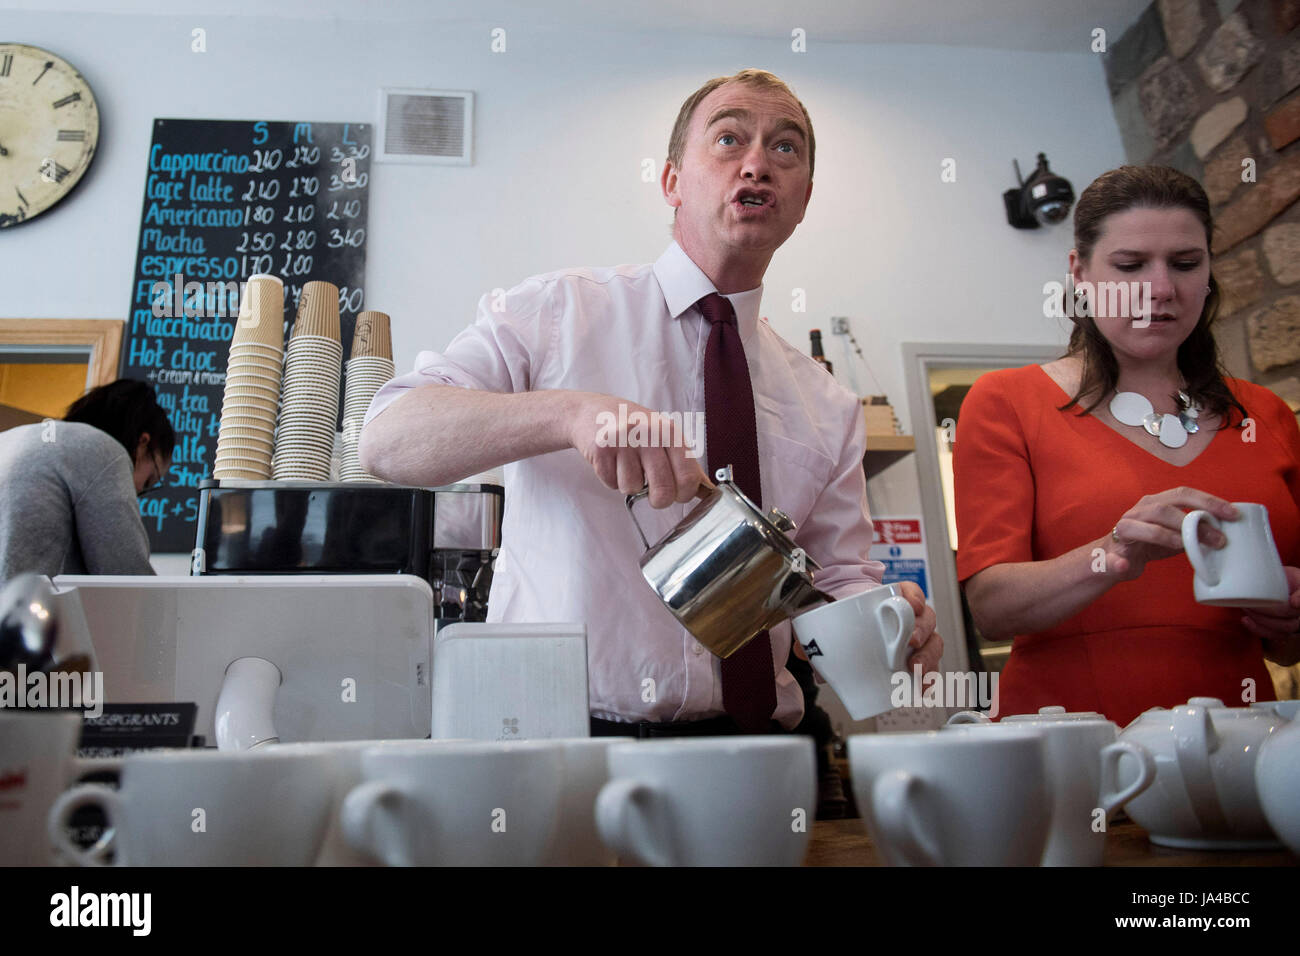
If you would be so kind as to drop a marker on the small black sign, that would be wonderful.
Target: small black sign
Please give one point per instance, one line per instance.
(123, 728)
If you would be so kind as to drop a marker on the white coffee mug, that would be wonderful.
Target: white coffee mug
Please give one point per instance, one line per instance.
(858, 644)
(1246, 572)
(36, 749)
(206, 808)
(944, 798)
(710, 801)
(1083, 772)
(105, 771)
(345, 756)
(485, 803)
(576, 841)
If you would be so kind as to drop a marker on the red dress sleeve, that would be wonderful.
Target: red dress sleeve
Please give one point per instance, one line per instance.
(1289, 432)
(1280, 428)
(993, 480)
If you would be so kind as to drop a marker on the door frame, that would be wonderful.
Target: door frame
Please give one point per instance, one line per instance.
(100, 339)
(919, 358)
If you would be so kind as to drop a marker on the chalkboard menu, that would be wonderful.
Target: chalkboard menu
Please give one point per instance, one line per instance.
(225, 200)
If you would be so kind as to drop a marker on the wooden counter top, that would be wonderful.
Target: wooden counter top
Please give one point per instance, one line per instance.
(846, 843)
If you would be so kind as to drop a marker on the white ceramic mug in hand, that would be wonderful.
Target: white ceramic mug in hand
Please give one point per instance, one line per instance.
(1246, 572)
(206, 808)
(945, 798)
(487, 803)
(857, 644)
(1083, 771)
(710, 801)
(36, 749)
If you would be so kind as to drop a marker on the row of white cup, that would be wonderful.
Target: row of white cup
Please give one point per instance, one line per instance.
(986, 796)
(565, 802)
(1017, 793)
(401, 803)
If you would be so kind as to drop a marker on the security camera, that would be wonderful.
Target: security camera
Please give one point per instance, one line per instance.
(1042, 200)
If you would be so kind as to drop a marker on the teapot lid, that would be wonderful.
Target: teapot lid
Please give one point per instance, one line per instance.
(1056, 712)
(1219, 707)
(1211, 703)
(1214, 706)
(773, 525)
(1290, 709)
(1222, 710)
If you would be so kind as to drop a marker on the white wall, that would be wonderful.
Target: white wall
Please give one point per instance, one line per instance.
(563, 122)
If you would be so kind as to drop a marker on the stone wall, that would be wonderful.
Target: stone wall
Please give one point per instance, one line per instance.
(1212, 87)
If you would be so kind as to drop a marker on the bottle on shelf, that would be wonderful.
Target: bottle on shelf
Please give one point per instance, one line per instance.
(818, 355)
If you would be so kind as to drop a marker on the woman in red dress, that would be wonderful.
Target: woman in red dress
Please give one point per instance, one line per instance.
(1072, 478)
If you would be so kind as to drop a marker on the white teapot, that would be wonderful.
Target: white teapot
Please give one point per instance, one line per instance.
(1204, 795)
(1277, 778)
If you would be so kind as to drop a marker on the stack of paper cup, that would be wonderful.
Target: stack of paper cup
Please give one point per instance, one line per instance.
(369, 368)
(304, 442)
(252, 398)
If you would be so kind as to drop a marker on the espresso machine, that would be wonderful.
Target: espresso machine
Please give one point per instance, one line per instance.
(449, 536)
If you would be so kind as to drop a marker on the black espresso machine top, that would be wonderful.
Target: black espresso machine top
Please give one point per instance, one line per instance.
(447, 535)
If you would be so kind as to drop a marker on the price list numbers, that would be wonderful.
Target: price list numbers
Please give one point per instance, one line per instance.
(225, 200)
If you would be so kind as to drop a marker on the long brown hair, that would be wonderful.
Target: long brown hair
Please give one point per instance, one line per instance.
(1147, 187)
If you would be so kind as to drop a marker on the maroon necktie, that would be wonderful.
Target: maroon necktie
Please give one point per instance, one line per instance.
(748, 684)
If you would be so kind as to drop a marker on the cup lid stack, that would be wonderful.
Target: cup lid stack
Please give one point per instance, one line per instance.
(370, 366)
(253, 378)
(304, 441)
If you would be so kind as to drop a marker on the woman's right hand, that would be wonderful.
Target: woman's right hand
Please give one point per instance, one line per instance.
(1152, 530)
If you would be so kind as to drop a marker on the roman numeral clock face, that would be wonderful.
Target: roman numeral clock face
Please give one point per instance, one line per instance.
(49, 128)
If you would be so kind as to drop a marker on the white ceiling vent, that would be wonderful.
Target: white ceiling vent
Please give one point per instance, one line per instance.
(425, 126)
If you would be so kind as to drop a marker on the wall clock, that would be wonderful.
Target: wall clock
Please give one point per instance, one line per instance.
(49, 129)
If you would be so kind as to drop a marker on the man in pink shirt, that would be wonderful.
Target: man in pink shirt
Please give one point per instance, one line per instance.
(534, 383)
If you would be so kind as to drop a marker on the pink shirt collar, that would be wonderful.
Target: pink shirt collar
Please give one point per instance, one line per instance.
(684, 283)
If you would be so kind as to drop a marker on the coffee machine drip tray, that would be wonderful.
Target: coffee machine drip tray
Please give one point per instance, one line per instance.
(282, 527)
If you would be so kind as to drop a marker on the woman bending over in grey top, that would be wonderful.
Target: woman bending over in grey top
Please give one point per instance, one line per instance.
(68, 488)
